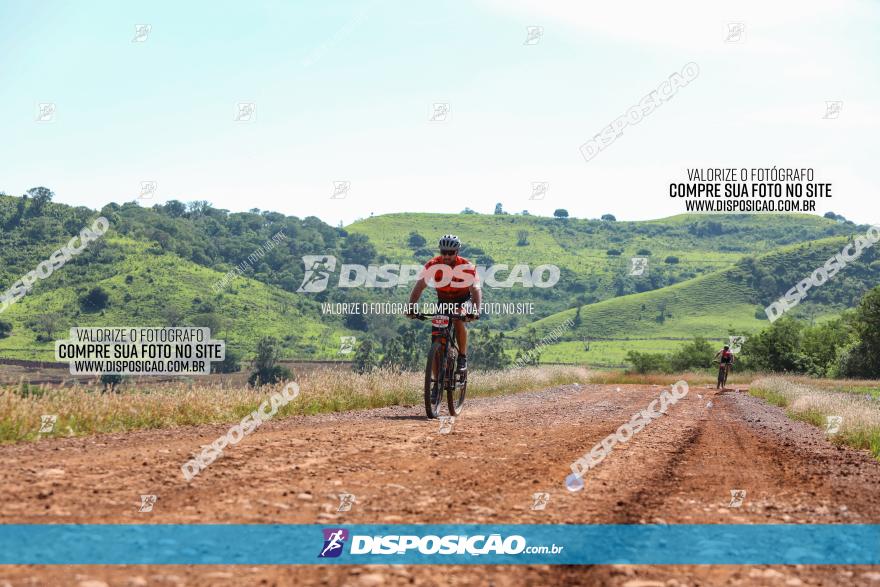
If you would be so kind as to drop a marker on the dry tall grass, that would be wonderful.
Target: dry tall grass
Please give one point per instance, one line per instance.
(692, 377)
(85, 410)
(815, 400)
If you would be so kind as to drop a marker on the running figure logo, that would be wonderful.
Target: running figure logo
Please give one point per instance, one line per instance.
(639, 265)
(539, 501)
(832, 424)
(47, 423)
(346, 500)
(446, 424)
(317, 276)
(334, 540)
(147, 503)
(737, 496)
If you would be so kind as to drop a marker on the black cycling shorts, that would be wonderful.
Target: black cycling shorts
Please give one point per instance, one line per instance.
(453, 305)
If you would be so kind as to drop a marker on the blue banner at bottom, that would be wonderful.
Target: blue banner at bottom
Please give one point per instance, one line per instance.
(481, 544)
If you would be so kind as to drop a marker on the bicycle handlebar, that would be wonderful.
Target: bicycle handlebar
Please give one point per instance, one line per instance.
(464, 318)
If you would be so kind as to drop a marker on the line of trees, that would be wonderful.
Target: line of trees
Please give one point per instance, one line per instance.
(847, 346)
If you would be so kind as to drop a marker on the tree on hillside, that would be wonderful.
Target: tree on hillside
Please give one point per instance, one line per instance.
(364, 359)
(697, 354)
(231, 362)
(5, 328)
(775, 348)
(560, 213)
(522, 238)
(860, 359)
(174, 208)
(46, 325)
(358, 250)
(20, 209)
(40, 196)
(266, 367)
(172, 316)
(608, 218)
(208, 320)
(94, 300)
(468, 211)
(498, 209)
(199, 208)
(416, 241)
(486, 350)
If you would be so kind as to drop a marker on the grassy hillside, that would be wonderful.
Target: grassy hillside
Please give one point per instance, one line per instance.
(701, 245)
(148, 289)
(158, 266)
(595, 255)
(713, 306)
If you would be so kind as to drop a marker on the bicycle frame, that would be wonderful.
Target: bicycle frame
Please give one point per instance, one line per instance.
(446, 334)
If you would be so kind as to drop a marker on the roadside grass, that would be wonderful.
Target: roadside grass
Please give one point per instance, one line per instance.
(814, 400)
(692, 377)
(85, 410)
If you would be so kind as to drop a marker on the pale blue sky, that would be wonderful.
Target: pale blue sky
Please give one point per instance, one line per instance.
(344, 92)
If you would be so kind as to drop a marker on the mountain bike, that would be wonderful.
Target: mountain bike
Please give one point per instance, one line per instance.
(723, 369)
(440, 372)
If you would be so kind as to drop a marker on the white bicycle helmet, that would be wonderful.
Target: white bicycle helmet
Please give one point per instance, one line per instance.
(449, 241)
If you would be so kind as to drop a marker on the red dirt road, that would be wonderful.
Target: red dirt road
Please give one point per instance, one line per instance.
(679, 469)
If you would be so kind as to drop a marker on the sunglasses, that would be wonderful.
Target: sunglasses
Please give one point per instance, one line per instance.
(448, 252)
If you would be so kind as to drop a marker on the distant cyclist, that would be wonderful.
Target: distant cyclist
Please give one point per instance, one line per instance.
(726, 357)
(455, 292)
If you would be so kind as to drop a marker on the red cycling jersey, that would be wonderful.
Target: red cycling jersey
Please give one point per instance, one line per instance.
(452, 284)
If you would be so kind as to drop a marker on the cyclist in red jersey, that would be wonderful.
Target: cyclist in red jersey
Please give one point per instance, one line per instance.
(727, 358)
(462, 287)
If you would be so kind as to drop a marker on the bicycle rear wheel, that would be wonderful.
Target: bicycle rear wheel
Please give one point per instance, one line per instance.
(434, 383)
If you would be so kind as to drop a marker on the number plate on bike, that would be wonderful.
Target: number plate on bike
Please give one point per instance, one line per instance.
(440, 321)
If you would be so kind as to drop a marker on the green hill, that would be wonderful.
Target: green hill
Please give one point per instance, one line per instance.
(157, 266)
(714, 306)
(595, 255)
(149, 289)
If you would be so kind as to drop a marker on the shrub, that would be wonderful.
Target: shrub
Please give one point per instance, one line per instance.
(648, 362)
(94, 300)
(111, 381)
(231, 362)
(364, 358)
(697, 354)
(266, 370)
(416, 240)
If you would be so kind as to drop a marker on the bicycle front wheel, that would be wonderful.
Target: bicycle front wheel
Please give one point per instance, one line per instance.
(456, 393)
(434, 380)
